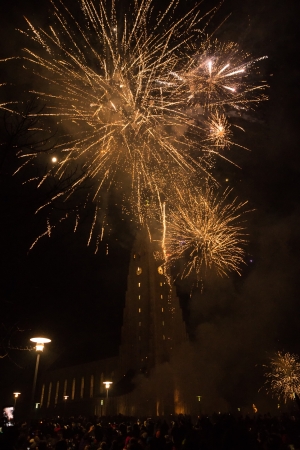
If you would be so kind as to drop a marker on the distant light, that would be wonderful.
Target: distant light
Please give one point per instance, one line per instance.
(54, 159)
(251, 260)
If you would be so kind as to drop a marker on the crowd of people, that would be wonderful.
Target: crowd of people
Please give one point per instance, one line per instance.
(217, 432)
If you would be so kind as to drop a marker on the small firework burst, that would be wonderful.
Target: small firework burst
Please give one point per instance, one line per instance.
(218, 76)
(219, 131)
(283, 376)
(205, 231)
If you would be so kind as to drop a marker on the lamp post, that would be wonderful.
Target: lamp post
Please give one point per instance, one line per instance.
(199, 400)
(65, 400)
(39, 347)
(16, 395)
(107, 386)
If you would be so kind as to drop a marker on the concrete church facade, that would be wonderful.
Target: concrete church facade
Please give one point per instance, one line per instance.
(144, 383)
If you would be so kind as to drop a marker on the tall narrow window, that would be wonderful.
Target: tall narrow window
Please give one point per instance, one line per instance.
(92, 387)
(164, 337)
(161, 296)
(65, 387)
(140, 310)
(56, 393)
(73, 388)
(49, 394)
(163, 322)
(139, 284)
(42, 395)
(82, 387)
(162, 309)
(139, 297)
(140, 324)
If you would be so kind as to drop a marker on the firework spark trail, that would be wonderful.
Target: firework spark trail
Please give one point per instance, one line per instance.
(5, 105)
(206, 231)
(283, 376)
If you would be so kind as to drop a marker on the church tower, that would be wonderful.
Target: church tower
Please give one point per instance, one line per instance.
(152, 320)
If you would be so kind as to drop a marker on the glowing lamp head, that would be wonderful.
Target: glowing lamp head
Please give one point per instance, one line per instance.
(16, 394)
(107, 384)
(40, 342)
(66, 397)
(54, 159)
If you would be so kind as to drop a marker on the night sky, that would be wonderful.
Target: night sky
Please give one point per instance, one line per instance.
(62, 289)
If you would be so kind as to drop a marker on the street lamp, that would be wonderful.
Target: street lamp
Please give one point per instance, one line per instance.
(199, 400)
(107, 386)
(65, 400)
(39, 347)
(16, 395)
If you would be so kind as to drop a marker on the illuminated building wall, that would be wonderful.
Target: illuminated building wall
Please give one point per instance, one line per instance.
(82, 384)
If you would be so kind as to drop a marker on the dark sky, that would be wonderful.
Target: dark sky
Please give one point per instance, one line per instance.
(63, 289)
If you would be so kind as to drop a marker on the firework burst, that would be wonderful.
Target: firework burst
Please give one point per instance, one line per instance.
(118, 89)
(219, 131)
(138, 99)
(283, 376)
(206, 231)
(218, 76)
(106, 86)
